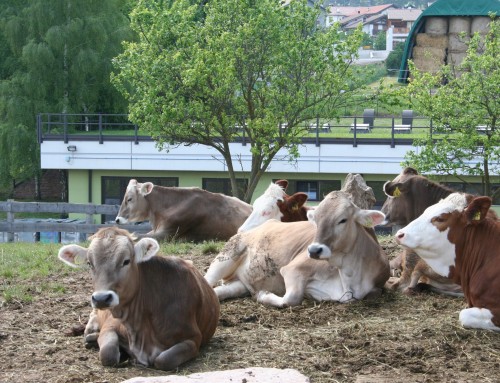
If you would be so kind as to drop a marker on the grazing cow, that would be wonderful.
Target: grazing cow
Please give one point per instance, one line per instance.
(160, 310)
(190, 214)
(459, 240)
(274, 263)
(276, 204)
(408, 195)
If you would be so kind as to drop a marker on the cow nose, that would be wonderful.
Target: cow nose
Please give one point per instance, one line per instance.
(102, 299)
(399, 236)
(314, 251)
(117, 220)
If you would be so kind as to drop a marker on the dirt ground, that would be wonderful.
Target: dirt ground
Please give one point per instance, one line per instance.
(395, 338)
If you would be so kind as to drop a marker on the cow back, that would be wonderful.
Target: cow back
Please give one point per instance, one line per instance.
(195, 214)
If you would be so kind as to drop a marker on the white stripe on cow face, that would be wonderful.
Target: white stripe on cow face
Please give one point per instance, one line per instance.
(428, 237)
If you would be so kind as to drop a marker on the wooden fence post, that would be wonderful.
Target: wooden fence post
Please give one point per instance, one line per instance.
(10, 220)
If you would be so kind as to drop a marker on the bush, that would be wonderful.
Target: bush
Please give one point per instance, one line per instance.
(393, 61)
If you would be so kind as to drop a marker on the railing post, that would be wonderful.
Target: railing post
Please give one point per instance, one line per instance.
(392, 134)
(10, 220)
(65, 124)
(100, 129)
(355, 144)
(317, 130)
(136, 129)
(430, 127)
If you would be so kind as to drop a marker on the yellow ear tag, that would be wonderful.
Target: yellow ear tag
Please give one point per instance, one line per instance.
(295, 207)
(477, 216)
(397, 192)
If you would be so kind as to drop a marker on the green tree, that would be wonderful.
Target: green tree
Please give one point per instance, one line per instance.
(468, 98)
(250, 65)
(56, 58)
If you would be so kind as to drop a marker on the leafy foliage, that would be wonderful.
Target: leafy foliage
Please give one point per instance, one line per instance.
(393, 61)
(56, 59)
(459, 99)
(249, 66)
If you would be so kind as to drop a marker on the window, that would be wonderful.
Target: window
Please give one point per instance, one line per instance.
(316, 190)
(113, 189)
(310, 188)
(223, 185)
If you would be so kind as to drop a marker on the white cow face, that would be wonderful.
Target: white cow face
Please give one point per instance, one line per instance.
(338, 220)
(112, 258)
(264, 208)
(428, 234)
(134, 207)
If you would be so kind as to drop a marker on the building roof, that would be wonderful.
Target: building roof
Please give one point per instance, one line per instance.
(444, 8)
(363, 13)
(403, 14)
(351, 11)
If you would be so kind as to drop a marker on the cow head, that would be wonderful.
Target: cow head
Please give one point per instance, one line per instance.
(265, 207)
(338, 222)
(397, 205)
(134, 207)
(428, 235)
(292, 207)
(112, 257)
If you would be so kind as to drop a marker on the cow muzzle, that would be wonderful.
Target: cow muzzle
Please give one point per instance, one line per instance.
(318, 251)
(104, 299)
(121, 221)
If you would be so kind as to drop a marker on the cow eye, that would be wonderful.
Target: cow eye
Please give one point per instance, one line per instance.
(126, 262)
(129, 199)
(438, 219)
(344, 220)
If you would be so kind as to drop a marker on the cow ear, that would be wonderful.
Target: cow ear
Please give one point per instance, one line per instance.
(132, 182)
(73, 255)
(394, 189)
(477, 209)
(146, 188)
(145, 249)
(370, 218)
(299, 198)
(310, 215)
(409, 170)
(282, 183)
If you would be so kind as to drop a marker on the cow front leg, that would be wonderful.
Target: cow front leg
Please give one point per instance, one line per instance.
(233, 289)
(109, 348)
(91, 333)
(294, 290)
(176, 355)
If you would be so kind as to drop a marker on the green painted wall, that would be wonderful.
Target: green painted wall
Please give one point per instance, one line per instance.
(78, 181)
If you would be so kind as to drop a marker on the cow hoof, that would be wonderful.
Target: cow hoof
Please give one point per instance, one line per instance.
(392, 284)
(410, 291)
(91, 340)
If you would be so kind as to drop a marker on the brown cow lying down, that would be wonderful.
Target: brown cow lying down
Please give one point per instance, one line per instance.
(273, 262)
(461, 241)
(408, 195)
(160, 310)
(276, 204)
(190, 214)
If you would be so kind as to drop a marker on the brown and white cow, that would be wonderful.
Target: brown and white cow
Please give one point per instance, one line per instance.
(408, 195)
(160, 310)
(274, 262)
(190, 214)
(276, 204)
(459, 240)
